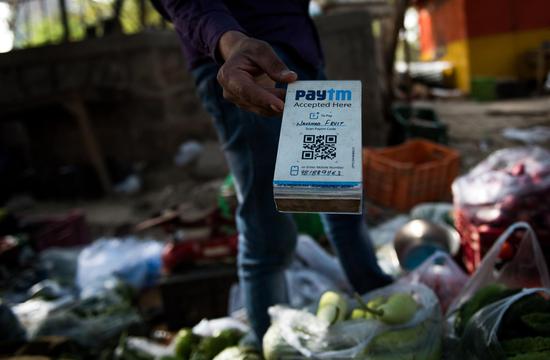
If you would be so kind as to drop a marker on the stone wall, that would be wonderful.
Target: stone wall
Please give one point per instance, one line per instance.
(139, 96)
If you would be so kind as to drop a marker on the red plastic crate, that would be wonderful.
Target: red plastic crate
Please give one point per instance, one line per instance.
(477, 239)
(61, 231)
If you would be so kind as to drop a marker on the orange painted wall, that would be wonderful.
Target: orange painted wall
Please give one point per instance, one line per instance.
(447, 21)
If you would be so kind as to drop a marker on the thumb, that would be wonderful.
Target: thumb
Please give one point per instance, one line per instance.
(274, 67)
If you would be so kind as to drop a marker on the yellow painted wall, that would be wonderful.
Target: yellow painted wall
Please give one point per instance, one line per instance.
(495, 55)
(499, 55)
(456, 52)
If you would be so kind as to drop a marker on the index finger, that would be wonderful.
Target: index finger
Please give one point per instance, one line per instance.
(245, 88)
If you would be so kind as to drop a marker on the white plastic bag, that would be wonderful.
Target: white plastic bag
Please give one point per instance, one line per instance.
(313, 337)
(317, 259)
(135, 262)
(312, 272)
(526, 269)
(440, 273)
(513, 171)
(187, 152)
(213, 327)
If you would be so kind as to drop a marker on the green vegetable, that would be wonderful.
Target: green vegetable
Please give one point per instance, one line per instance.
(374, 304)
(399, 309)
(275, 347)
(230, 336)
(405, 344)
(403, 338)
(543, 355)
(209, 347)
(332, 307)
(525, 345)
(186, 342)
(513, 325)
(357, 314)
(483, 297)
(238, 353)
(539, 322)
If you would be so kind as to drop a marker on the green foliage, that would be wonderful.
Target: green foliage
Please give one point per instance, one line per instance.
(49, 30)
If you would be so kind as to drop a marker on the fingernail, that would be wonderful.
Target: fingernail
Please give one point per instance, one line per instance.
(276, 108)
(287, 73)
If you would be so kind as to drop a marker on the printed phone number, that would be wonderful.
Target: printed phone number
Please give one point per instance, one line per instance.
(321, 173)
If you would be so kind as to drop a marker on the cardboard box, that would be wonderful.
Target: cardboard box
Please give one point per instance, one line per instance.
(319, 157)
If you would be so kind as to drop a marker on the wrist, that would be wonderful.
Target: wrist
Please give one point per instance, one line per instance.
(229, 41)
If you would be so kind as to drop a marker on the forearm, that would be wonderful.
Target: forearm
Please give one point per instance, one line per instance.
(202, 23)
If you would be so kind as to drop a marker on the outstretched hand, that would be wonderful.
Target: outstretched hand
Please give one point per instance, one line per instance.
(249, 74)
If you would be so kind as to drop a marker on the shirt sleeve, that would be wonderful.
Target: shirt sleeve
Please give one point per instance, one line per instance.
(201, 23)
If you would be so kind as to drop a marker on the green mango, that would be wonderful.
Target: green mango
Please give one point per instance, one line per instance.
(186, 341)
(332, 307)
(399, 309)
(357, 314)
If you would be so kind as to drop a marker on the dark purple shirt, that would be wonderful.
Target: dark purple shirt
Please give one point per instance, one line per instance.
(201, 23)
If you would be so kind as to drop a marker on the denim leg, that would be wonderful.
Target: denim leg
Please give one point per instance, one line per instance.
(348, 234)
(267, 238)
(349, 237)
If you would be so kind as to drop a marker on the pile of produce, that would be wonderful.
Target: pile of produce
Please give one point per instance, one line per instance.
(510, 185)
(505, 323)
(483, 297)
(188, 346)
(392, 324)
(442, 275)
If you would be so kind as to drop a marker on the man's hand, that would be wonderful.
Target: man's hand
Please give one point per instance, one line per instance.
(249, 74)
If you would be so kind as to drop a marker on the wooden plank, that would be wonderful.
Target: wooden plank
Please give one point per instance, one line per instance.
(77, 108)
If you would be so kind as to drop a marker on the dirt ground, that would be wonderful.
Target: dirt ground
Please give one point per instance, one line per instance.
(475, 130)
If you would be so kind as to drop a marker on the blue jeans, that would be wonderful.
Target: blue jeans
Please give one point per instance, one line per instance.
(268, 237)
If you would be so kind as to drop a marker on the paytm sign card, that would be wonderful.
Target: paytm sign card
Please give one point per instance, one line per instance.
(319, 159)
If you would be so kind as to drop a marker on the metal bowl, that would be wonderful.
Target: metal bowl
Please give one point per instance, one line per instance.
(418, 239)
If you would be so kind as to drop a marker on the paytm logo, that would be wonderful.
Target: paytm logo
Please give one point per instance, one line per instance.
(331, 94)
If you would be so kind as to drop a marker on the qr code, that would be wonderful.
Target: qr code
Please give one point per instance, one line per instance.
(319, 147)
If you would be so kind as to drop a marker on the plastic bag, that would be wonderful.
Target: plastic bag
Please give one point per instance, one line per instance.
(312, 272)
(10, 327)
(142, 348)
(513, 171)
(34, 312)
(526, 269)
(480, 339)
(510, 185)
(317, 259)
(214, 326)
(313, 337)
(91, 322)
(61, 264)
(440, 273)
(135, 262)
(187, 152)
